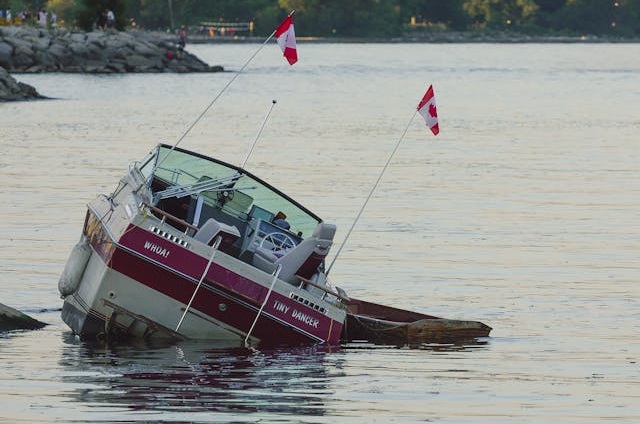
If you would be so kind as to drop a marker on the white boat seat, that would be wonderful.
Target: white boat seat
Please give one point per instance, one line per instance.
(302, 260)
(208, 232)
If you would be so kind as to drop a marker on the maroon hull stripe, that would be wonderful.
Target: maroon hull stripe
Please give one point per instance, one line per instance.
(224, 296)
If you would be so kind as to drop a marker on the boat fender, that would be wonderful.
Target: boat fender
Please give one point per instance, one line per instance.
(74, 268)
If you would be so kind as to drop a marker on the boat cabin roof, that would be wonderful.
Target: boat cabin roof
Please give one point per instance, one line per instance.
(177, 173)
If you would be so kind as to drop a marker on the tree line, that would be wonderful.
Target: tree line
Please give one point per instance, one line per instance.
(360, 18)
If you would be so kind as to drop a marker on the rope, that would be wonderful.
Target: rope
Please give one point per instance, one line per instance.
(275, 277)
(206, 270)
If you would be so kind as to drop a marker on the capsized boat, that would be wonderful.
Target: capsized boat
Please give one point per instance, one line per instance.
(190, 247)
(381, 324)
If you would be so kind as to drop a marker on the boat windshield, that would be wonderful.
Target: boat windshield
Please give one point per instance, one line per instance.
(181, 174)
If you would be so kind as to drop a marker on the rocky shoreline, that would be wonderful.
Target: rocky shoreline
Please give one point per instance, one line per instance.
(12, 319)
(36, 50)
(10, 89)
(33, 50)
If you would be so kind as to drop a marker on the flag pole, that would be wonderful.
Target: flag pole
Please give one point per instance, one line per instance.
(273, 104)
(206, 109)
(355, 221)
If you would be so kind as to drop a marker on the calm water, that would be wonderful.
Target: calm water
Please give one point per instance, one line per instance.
(524, 214)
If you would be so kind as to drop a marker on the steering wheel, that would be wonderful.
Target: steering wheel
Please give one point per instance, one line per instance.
(224, 196)
(280, 242)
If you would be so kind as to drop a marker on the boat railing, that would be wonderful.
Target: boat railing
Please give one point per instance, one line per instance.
(136, 177)
(176, 173)
(167, 216)
(339, 293)
(200, 185)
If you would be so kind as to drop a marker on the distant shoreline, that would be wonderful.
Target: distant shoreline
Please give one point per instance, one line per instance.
(161, 42)
(443, 38)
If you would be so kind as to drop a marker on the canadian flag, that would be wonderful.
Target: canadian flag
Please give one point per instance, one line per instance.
(286, 37)
(427, 108)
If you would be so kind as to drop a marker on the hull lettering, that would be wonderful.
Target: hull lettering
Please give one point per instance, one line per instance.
(280, 307)
(300, 316)
(159, 250)
(295, 314)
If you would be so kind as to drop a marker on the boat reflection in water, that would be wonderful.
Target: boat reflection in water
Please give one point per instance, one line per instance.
(196, 377)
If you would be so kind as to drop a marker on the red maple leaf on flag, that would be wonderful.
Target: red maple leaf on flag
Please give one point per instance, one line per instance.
(427, 108)
(432, 110)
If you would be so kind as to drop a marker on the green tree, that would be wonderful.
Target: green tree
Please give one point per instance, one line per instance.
(627, 17)
(355, 18)
(501, 14)
(64, 10)
(450, 13)
(157, 14)
(550, 6)
(358, 18)
(584, 16)
(88, 12)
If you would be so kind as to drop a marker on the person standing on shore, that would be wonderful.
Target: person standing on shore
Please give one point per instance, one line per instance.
(111, 19)
(42, 17)
(182, 40)
(182, 36)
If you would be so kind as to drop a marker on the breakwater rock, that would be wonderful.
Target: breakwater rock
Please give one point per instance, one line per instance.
(10, 89)
(32, 50)
(12, 319)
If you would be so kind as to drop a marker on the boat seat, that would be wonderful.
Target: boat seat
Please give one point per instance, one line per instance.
(302, 260)
(208, 232)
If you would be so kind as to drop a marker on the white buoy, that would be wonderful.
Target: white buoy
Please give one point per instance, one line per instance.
(74, 269)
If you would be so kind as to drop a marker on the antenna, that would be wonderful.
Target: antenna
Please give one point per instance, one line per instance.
(370, 193)
(273, 104)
